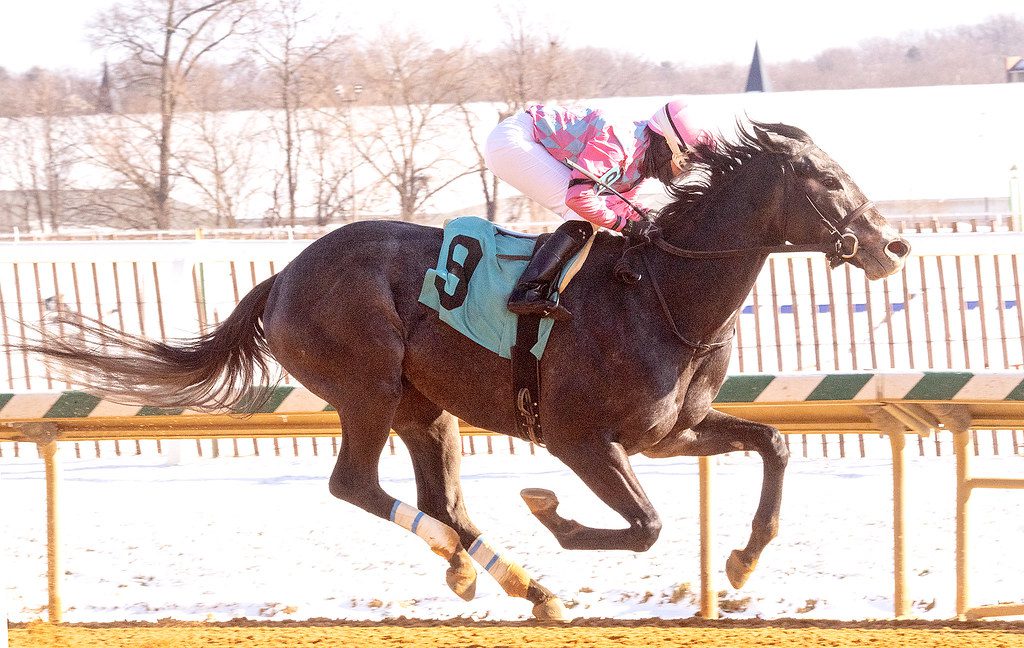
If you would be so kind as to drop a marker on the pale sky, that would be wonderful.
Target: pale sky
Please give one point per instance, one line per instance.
(51, 33)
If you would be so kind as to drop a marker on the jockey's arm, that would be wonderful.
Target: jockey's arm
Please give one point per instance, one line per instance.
(583, 199)
(599, 156)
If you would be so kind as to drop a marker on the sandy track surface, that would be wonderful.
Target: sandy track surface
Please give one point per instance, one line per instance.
(465, 634)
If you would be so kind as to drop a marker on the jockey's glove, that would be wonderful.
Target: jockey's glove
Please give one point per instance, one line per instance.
(638, 230)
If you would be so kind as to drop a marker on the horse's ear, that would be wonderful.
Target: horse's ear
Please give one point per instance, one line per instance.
(781, 132)
(763, 138)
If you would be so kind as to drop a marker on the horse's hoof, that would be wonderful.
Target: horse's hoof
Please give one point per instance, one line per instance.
(461, 576)
(551, 610)
(738, 570)
(540, 500)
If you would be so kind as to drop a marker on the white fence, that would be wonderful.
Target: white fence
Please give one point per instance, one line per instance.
(957, 304)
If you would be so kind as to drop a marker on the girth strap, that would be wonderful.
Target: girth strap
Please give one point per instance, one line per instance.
(526, 379)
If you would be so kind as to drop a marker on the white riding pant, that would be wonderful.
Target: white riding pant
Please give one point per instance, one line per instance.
(513, 154)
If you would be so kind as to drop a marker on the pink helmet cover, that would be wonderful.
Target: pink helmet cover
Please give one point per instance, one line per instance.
(672, 120)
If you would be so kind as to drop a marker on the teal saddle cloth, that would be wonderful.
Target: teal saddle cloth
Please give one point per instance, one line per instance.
(477, 268)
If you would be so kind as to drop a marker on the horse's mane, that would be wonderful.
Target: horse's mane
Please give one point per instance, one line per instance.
(715, 167)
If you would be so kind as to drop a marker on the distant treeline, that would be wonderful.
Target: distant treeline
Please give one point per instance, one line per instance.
(528, 68)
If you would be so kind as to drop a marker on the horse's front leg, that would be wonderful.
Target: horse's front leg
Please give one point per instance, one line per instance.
(604, 466)
(720, 433)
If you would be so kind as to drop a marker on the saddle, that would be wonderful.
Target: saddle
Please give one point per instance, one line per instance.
(478, 265)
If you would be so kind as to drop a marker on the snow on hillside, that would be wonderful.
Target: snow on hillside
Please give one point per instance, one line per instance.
(938, 142)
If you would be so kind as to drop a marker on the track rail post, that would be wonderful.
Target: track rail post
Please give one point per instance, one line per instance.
(963, 496)
(3, 570)
(896, 429)
(708, 595)
(49, 451)
(901, 602)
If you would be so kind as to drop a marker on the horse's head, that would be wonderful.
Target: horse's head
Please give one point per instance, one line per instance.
(821, 204)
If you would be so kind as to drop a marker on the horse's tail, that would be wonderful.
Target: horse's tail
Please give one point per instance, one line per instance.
(216, 370)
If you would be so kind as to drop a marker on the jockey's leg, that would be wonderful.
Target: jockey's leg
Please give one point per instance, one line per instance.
(532, 294)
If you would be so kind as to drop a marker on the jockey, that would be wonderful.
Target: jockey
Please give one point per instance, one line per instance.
(531, 151)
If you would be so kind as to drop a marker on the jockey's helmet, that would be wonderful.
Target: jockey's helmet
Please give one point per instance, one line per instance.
(671, 122)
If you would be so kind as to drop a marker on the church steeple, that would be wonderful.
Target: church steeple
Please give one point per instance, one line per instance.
(756, 79)
(105, 97)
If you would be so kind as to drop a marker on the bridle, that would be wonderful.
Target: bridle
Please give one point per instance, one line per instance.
(845, 242)
(842, 244)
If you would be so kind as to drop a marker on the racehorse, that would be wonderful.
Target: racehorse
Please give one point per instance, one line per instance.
(634, 371)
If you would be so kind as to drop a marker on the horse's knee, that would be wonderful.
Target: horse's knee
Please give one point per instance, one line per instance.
(647, 533)
(781, 449)
(773, 446)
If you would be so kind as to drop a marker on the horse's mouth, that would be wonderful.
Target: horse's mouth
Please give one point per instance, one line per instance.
(883, 262)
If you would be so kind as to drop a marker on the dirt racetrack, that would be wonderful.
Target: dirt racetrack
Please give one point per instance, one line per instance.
(586, 633)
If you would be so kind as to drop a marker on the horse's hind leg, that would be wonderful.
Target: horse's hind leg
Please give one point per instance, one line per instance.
(366, 424)
(432, 437)
(719, 433)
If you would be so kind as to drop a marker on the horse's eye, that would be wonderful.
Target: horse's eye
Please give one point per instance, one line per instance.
(831, 182)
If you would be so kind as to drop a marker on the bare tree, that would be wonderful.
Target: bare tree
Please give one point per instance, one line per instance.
(402, 142)
(329, 158)
(222, 162)
(291, 47)
(123, 149)
(43, 149)
(489, 183)
(527, 67)
(164, 41)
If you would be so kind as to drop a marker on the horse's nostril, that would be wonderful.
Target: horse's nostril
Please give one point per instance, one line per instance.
(898, 248)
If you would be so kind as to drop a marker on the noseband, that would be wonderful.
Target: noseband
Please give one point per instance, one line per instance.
(845, 243)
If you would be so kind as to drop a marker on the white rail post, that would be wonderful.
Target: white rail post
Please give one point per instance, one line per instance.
(1016, 200)
(182, 320)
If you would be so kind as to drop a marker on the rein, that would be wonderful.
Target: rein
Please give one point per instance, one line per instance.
(841, 239)
(700, 348)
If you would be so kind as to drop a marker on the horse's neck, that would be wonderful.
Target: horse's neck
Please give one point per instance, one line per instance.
(703, 295)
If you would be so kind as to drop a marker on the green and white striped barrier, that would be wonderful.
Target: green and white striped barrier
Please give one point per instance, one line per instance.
(945, 386)
(954, 386)
(78, 404)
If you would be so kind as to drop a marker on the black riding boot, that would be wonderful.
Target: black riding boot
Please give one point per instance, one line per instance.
(532, 295)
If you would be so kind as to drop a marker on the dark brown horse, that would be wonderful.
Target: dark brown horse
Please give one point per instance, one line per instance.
(634, 371)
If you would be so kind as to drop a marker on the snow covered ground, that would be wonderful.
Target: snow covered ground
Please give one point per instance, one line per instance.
(262, 538)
